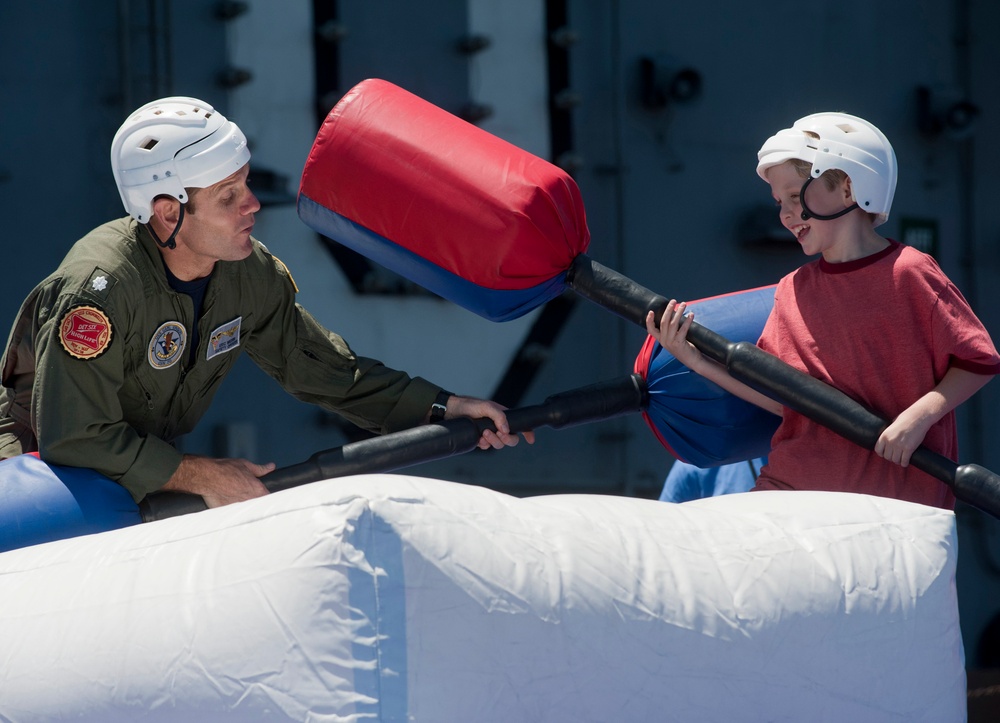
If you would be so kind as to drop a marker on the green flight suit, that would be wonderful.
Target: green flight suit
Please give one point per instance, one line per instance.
(98, 372)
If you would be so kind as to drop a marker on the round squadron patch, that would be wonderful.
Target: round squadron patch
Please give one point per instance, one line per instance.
(85, 332)
(167, 345)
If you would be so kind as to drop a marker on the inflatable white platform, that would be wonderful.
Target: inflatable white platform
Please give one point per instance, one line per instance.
(395, 598)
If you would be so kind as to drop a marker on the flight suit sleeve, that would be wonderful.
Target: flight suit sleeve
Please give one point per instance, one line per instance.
(76, 409)
(317, 366)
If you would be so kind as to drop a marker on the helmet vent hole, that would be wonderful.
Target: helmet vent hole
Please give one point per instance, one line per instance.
(149, 144)
(847, 128)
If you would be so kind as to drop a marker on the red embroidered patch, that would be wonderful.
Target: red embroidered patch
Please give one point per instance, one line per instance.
(85, 332)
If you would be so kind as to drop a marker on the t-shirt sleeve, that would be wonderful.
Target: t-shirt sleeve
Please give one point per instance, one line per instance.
(959, 333)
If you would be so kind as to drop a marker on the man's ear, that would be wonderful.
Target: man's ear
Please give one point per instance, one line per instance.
(167, 210)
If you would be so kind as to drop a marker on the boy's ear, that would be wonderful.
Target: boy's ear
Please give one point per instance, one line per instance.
(848, 191)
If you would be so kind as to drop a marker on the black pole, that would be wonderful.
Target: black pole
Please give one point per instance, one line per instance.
(429, 442)
(769, 375)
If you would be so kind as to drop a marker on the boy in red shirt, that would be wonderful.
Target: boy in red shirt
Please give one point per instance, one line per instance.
(876, 319)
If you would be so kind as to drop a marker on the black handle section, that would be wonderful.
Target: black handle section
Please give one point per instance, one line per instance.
(161, 505)
(457, 436)
(430, 442)
(769, 375)
(592, 403)
(612, 291)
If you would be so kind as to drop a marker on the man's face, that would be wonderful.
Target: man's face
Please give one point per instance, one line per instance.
(220, 219)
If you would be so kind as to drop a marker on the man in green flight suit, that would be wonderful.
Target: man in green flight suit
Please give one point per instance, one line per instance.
(121, 349)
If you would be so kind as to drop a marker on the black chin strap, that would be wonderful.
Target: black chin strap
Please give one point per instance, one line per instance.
(169, 243)
(808, 213)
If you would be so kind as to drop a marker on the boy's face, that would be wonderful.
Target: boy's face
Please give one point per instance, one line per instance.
(786, 187)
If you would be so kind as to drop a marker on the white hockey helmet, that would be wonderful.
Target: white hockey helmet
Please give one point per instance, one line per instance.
(845, 142)
(172, 144)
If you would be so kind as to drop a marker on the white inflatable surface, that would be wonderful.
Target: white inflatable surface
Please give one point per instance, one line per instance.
(393, 598)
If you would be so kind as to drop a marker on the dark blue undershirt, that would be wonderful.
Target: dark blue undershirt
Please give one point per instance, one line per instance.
(196, 290)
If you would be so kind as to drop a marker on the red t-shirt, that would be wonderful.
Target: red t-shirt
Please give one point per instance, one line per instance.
(884, 330)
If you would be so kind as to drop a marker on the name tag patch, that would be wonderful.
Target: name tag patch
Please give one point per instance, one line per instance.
(224, 338)
(167, 344)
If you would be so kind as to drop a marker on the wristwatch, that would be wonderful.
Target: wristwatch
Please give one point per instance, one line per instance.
(440, 406)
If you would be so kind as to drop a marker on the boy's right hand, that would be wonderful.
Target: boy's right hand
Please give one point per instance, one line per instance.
(672, 333)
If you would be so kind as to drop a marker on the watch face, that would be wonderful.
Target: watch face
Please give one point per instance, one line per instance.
(440, 406)
(438, 411)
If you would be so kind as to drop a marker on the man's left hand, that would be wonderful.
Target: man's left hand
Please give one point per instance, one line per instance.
(458, 406)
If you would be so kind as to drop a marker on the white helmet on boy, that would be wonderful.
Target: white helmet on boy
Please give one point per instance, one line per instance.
(172, 144)
(845, 142)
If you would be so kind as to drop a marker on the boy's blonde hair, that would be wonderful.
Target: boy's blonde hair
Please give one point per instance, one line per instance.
(831, 178)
